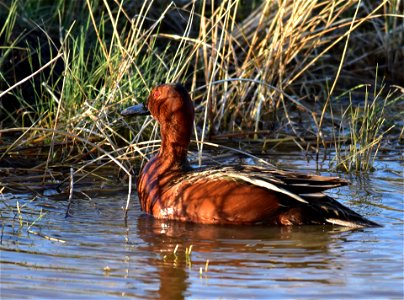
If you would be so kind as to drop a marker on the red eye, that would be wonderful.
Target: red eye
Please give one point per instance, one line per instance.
(156, 94)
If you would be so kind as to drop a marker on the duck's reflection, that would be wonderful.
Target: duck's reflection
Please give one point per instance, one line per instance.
(235, 246)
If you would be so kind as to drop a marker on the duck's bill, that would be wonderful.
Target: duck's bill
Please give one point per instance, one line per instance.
(139, 110)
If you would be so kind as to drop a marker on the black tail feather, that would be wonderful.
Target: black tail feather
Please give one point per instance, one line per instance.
(333, 212)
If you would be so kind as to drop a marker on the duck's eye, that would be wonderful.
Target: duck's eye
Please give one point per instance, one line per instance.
(156, 94)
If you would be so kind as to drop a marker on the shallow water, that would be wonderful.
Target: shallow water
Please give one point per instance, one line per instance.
(93, 254)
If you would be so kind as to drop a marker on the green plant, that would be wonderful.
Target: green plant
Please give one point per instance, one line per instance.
(69, 67)
(362, 129)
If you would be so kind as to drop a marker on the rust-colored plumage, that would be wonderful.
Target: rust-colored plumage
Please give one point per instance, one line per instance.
(169, 188)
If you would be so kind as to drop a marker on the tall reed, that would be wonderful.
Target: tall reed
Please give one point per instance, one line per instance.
(92, 58)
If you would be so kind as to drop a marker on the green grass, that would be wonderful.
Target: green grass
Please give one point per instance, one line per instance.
(363, 130)
(23, 217)
(67, 68)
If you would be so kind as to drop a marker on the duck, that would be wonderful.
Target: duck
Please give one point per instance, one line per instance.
(169, 188)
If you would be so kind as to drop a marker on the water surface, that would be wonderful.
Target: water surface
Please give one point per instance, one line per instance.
(94, 254)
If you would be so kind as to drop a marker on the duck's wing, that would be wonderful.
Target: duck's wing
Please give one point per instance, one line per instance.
(306, 187)
(292, 184)
(302, 190)
(322, 207)
(295, 182)
(299, 183)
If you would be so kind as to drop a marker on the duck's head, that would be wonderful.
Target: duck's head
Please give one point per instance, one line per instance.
(171, 106)
(168, 104)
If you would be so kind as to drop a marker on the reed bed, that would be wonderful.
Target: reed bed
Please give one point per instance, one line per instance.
(268, 72)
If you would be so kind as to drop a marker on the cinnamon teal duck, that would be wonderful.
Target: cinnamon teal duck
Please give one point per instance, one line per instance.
(169, 188)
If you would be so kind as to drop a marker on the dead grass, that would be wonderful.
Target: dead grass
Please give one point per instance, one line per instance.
(273, 75)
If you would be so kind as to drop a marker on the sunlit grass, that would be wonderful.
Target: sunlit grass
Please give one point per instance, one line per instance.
(87, 61)
(21, 212)
(362, 130)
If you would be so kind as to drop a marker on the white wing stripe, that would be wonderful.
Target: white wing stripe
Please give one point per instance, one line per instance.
(267, 185)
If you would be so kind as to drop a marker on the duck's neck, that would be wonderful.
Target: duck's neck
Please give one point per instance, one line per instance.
(174, 146)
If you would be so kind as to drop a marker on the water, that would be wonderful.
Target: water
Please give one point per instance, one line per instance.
(93, 254)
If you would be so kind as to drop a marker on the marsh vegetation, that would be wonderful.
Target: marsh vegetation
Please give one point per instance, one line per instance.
(313, 75)
(323, 77)
(316, 80)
